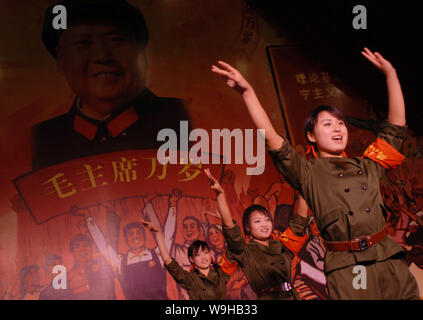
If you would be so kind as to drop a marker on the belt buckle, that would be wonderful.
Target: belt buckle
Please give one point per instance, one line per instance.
(285, 286)
(363, 243)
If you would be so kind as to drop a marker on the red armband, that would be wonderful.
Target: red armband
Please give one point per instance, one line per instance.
(383, 153)
(290, 240)
(226, 266)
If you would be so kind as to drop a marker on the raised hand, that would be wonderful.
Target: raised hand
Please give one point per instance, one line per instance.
(224, 210)
(235, 80)
(164, 252)
(174, 197)
(378, 61)
(149, 225)
(214, 184)
(150, 197)
(396, 104)
(233, 77)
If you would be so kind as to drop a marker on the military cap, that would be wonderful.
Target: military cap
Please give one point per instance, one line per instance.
(118, 11)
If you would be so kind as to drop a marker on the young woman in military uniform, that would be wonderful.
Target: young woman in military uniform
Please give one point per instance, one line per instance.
(206, 281)
(344, 193)
(266, 259)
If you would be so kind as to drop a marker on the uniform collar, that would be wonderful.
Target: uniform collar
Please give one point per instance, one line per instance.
(341, 162)
(115, 124)
(201, 275)
(273, 245)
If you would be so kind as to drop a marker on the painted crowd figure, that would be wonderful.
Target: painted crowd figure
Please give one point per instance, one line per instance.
(140, 270)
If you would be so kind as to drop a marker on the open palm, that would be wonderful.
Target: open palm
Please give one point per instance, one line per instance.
(233, 77)
(378, 61)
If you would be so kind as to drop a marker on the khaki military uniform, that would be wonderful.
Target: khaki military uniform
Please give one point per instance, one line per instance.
(345, 198)
(264, 267)
(199, 286)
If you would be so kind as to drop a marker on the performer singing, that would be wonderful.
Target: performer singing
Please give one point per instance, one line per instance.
(344, 193)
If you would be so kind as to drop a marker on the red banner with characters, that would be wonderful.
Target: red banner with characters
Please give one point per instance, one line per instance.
(52, 191)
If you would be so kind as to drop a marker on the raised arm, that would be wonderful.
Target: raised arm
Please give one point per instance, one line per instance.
(112, 257)
(396, 105)
(225, 211)
(155, 229)
(235, 80)
(170, 223)
(176, 271)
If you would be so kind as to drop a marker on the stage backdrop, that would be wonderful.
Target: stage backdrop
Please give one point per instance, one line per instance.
(73, 207)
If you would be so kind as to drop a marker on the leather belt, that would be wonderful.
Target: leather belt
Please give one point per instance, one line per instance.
(359, 244)
(282, 290)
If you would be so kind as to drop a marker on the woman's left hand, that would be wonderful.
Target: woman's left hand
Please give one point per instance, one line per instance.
(378, 61)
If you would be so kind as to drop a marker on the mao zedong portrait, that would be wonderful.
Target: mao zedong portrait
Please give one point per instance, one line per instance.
(102, 57)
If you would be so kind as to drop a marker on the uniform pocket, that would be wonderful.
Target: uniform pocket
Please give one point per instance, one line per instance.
(331, 224)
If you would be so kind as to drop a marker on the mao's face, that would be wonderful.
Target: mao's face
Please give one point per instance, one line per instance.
(101, 62)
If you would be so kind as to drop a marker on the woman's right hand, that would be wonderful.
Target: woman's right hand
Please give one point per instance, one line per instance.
(233, 77)
(214, 184)
(150, 225)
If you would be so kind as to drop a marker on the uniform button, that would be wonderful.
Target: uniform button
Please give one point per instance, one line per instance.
(124, 133)
(347, 189)
(367, 210)
(360, 172)
(364, 187)
(282, 261)
(340, 174)
(350, 213)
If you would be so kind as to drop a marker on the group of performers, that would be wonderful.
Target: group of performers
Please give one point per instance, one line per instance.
(343, 194)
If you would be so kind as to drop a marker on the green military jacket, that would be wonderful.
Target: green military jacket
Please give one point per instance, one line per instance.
(198, 286)
(264, 267)
(345, 197)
